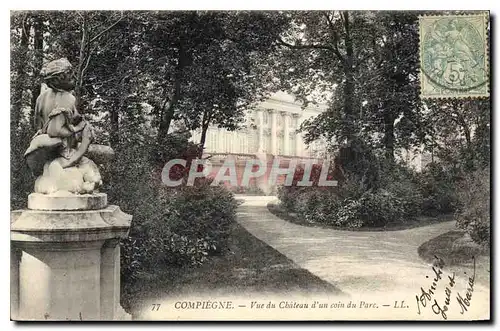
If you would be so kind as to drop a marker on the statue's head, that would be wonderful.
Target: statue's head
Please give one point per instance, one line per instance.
(58, 74)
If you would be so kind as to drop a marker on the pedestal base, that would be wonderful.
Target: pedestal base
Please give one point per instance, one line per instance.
(65, 265)
(38, 201)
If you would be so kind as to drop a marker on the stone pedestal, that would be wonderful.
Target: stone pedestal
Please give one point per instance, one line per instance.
(65, 263)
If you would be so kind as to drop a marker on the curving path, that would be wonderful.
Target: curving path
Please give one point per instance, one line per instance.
(358, 263)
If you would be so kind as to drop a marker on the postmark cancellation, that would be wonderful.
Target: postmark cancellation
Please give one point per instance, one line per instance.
(454, 56)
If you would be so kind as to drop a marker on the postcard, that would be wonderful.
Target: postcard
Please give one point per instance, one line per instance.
(250, 165)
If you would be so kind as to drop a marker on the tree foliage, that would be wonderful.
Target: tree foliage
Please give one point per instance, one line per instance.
(140, 72)
(365, 64)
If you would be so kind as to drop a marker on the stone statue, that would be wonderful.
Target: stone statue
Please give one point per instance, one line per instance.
(67, 240)
(58, 152)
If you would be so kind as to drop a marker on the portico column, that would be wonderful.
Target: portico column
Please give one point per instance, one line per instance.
(298, 136)
(286, 134)
(220, 141)
(260, 121)
(274, 133)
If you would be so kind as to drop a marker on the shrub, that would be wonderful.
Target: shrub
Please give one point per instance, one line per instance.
(182, 228)
(438, 189)
(171, 226)
(394, 198)
(313, 205)
(289, 196)
(359, 161)
(474, 214)
(201, 211)
(348, 214)
(379, 208)
(351, 188)
(372, 209)
(295, 198)
(401, 183)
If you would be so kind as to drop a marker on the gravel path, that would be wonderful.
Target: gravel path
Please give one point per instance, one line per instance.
(358, 263)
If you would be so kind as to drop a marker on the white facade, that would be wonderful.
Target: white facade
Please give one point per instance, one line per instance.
(270, 128)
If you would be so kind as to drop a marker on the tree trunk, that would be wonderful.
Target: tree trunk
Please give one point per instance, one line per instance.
(204, 128)
(114, 135)
(349, 88)
(467, 133)
(167, 113)
(468, 139)
(460, 120)
(81, 60)
(122, 91)
(482, 136)
(389, 138)
(38, 47)
(20, 69)
(203, 139)
(350, 119)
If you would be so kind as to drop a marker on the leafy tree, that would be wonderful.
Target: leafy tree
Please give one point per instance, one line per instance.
(326, 52)
(392, 111)
(459, 132)
(218, 67)
(24, 50)
(366, 65)
(20, 35)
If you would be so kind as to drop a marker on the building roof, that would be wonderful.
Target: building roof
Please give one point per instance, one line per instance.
(287, 102)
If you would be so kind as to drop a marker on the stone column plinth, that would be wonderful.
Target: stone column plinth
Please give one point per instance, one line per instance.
(66, 263)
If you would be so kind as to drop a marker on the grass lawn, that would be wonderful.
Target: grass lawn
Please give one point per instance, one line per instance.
(249, 266)
(441, 246)
(280, 212)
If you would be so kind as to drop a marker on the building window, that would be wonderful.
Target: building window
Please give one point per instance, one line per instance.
(265, 116)
(280, 120)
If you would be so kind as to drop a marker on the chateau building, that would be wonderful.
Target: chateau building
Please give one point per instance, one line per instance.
(270, 134)
(270, 128)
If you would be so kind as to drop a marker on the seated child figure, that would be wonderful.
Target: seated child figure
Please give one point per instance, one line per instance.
(57, 149)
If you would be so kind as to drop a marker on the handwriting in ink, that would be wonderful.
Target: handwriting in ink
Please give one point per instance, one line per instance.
(430, 296)
(426, 296)
(465, 302)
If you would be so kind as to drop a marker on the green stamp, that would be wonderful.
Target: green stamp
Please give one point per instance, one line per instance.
(454, 56)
